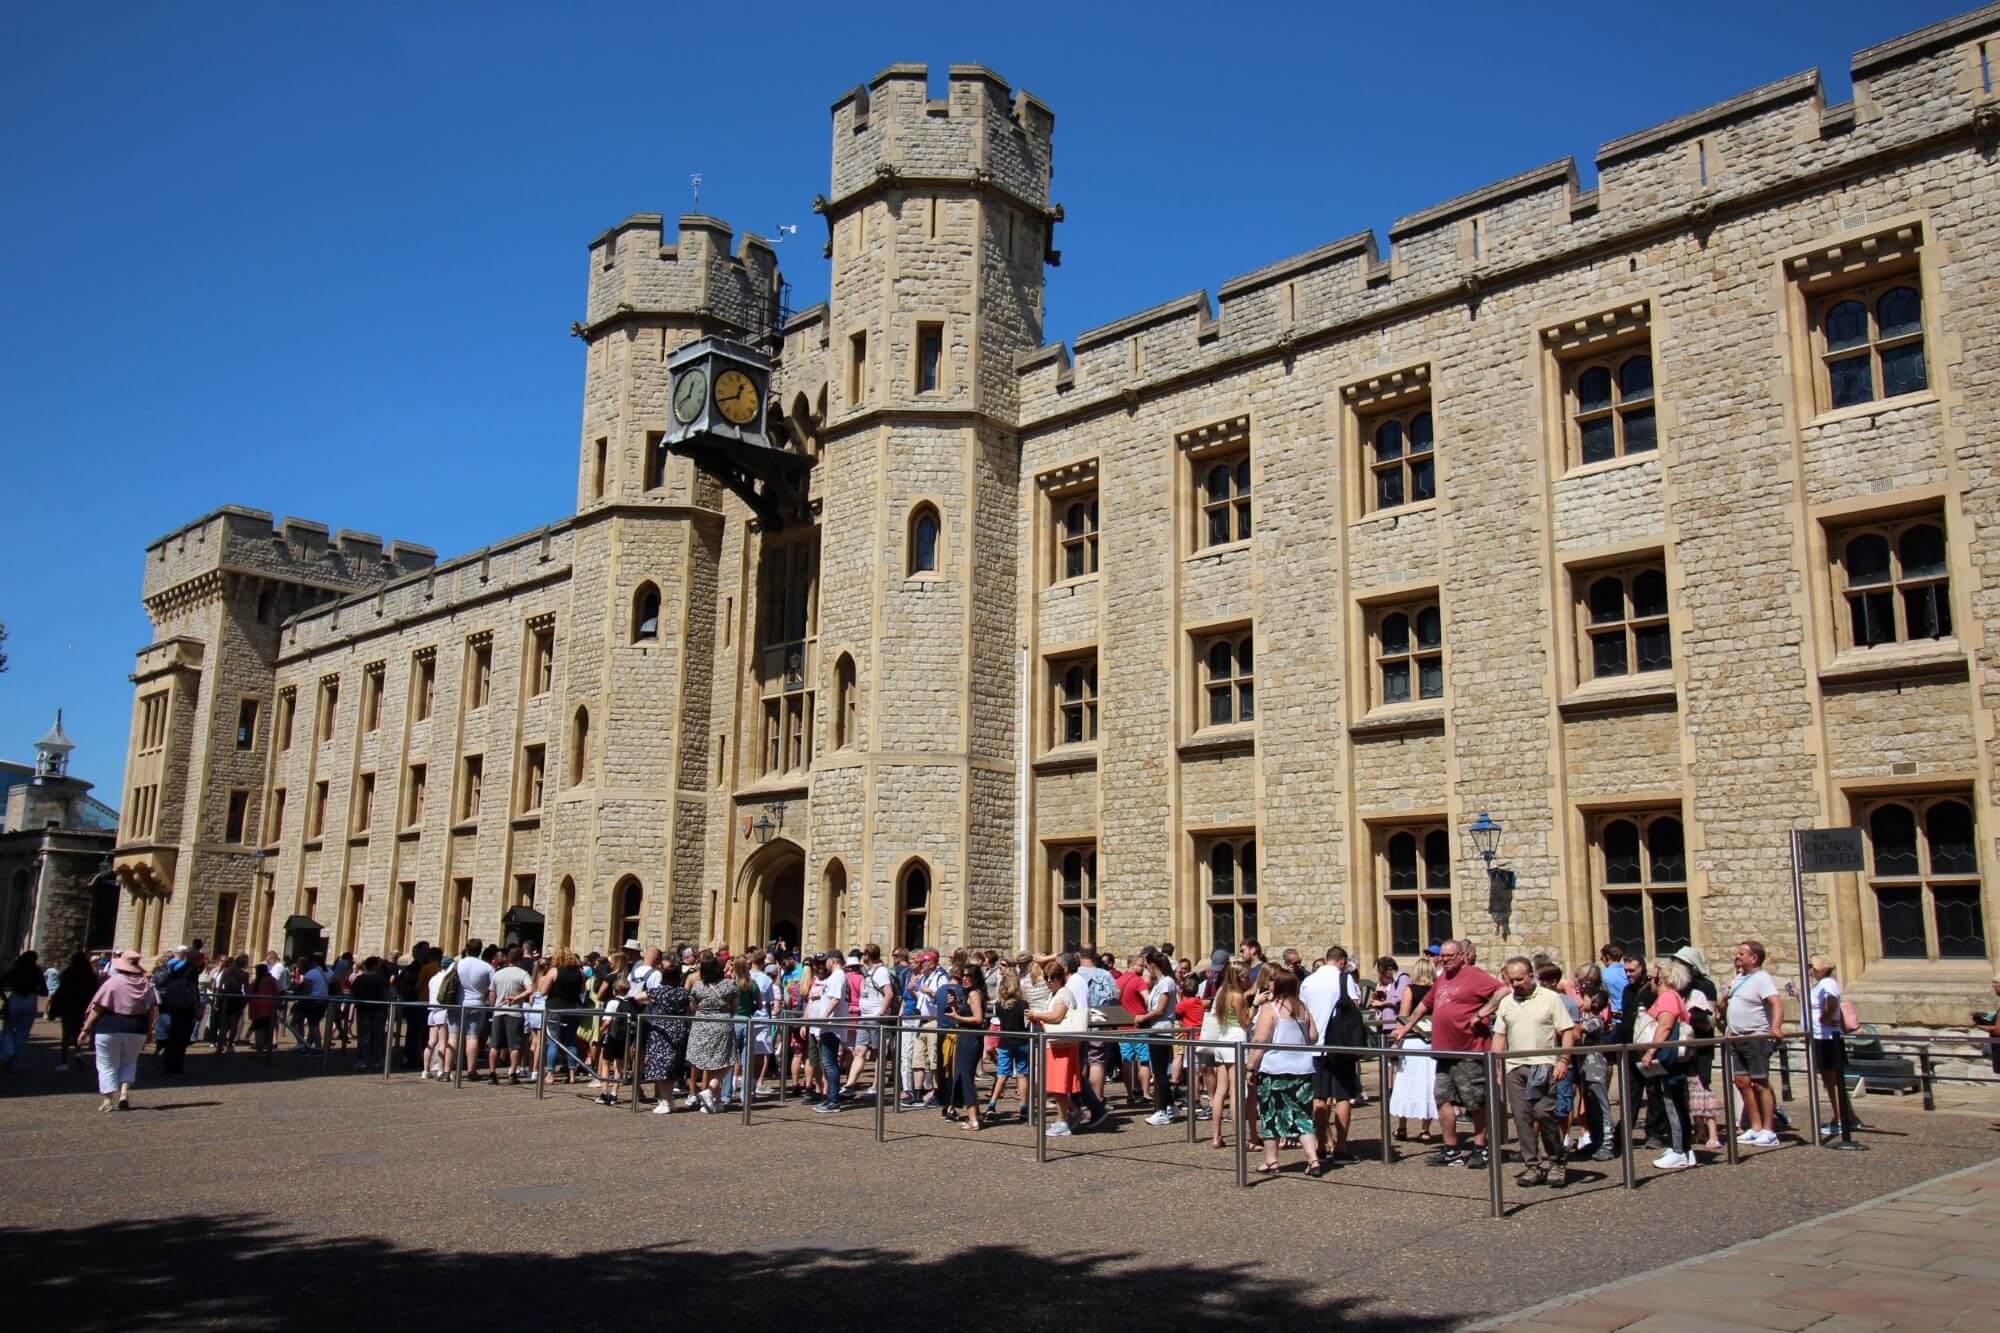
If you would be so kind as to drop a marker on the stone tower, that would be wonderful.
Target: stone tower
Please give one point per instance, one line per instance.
(939, 226)
(630, 744)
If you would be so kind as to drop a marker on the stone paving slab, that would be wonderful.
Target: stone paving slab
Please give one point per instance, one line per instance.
(1922, 1258)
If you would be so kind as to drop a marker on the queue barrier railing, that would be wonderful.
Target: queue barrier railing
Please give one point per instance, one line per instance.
(891, 1030)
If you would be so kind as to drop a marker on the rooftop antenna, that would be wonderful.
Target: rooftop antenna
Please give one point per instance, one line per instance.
(694, 180)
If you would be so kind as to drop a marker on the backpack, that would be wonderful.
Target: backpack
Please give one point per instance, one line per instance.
(1103, 990)
(1345, 1026)
(449, 989)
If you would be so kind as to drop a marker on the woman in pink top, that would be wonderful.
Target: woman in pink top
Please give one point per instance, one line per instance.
(1666, 1062)
(120, 1022)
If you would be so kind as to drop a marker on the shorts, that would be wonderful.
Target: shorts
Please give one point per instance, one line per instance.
(865, 1032)
(1830, 1053)
(923, 1053)
(1100, 1054)
(1336, 1078)
(473, 1016)
(1752, 1057)
(436, 1019)
(1011, 1062)
(506, 1035)
(1460, 1083)
(1134, 1052)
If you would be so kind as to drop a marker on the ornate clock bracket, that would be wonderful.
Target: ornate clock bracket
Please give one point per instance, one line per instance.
(718, 419)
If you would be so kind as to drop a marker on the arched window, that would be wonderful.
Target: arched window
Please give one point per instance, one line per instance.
(1415, 865)
(1641, 867)
(646, 614)
(1230, 867)
(1923, 870)
(1871, 345)
(1409, 653)
(1896, 583)
(1611, 408)
(1228, 671)
(1076, 700)
(627, 903)
(1225, 500)
(924, 535)
(846, 712)
(1625, 622)
(565, 913)
(833, 905)
(1402, 459)
(1076, 896)
(579, 747)
(913, 906)
(1077, 540)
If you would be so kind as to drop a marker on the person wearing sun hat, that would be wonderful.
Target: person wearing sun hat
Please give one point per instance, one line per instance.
(119, 1024)
(1697, 967)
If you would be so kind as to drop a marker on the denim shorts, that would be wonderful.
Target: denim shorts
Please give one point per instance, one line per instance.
(1009, 1063)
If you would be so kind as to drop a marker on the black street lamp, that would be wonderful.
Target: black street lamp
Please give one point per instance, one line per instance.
(1485, 835)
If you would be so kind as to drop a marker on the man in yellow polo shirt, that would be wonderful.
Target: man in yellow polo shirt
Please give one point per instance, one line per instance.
(1534, 1018)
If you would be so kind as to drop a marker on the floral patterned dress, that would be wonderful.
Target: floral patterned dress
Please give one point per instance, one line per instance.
(667, 1034)
(708, 1045)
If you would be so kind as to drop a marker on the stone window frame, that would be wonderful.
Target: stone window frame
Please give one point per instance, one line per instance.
(1603, 339)
(362, 815)
(1584, 630)
(577, 766)
(923, 915)
(274, 817)
(416, 789)
(1226, 443)
(372, 677)
(1652, 885)
(785, 723)
(1893, 524)
(656, 458)
(918, 325)
(846, 719)
(471, 793)
(1240, 847)
(1422, 829)
(1921, 800)
(402, 922)
(1399, 393)
(855, 378)
(1822, 275)
(539, 679)
(347, 927)
(423, 684)
(1072, 484)
(316, 803)
(1240, 638)
(478, 670)
(287, 717)
(646, 599)
(531, 789)
(922, 507)
(457, 906)
(1057, 664)
(327, 708)
(255, 704)
(1413, 654)
(237, 809)
(1075, 887)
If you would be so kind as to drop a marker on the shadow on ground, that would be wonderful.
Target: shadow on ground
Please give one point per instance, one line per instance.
(250, 1270)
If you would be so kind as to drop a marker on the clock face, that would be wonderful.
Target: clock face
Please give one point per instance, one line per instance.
(736, 396)
(690, 391)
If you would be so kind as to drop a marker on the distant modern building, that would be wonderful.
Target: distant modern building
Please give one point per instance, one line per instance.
(57, 893)
(1656, 519)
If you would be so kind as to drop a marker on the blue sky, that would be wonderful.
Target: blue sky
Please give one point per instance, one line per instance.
(274, 255)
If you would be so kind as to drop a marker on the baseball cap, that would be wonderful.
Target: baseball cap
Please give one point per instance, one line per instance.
(1218, 960)
(1434, 950)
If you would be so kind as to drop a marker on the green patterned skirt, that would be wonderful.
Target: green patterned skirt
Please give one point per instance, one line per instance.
(1284, 1105)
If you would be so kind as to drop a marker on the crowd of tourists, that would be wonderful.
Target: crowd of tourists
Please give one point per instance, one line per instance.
(693, 1029)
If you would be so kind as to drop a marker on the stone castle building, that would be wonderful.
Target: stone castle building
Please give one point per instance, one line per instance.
(1653, 519)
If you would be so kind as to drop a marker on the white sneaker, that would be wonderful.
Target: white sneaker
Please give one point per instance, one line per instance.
(1748, 1136)
(1766, 1138)
(663, 1107)
(1160, 1118)
(1057, 1129)
(690, 1103)
(1674, 1161)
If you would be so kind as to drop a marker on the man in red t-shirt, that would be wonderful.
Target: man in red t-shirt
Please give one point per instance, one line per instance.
(1134, 1055)
(1460, 1004)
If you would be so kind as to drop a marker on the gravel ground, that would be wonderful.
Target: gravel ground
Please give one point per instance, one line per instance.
(244, 1192)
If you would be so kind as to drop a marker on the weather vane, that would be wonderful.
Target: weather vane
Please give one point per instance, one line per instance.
(695, 181)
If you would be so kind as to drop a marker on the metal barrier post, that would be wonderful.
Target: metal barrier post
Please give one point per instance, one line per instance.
(784, 1056)
(635, 1055)
(1785, 1071)
(749, 1071)
(899, 1021)
(1924, 1070)
(388, 1040)
(542, 1056)
(1240, 1087)
(1038, 1077)
(458, 1052)
(1628, 1074)
(1728, 1078)
(881, 1112)
(1188, 1062)
(1496, 1070)
(1382, 1085)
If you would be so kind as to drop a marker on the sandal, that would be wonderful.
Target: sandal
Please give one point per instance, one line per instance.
(1316, 1169)
(1268, 1169)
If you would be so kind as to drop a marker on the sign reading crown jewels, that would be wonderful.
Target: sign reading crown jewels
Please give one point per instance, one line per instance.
(718, 403)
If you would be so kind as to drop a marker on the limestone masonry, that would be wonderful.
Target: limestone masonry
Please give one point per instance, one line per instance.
(1655, 520)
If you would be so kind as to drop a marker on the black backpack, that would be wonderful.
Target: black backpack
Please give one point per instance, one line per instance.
(1345, 1025)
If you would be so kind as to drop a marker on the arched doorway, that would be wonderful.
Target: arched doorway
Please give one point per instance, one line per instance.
(772, 897)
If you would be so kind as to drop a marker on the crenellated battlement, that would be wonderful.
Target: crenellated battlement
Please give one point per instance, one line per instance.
(707, 271)
(241, 541)
(1687, 173)
(982, 132)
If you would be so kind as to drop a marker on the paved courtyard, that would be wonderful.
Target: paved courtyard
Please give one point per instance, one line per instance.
(244, 1193)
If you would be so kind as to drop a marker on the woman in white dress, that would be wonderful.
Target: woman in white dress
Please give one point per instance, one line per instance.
(1223, 1031)
(1411, 1098)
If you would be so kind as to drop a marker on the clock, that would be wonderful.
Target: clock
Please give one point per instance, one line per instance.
(735, 397)
(690, 394)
